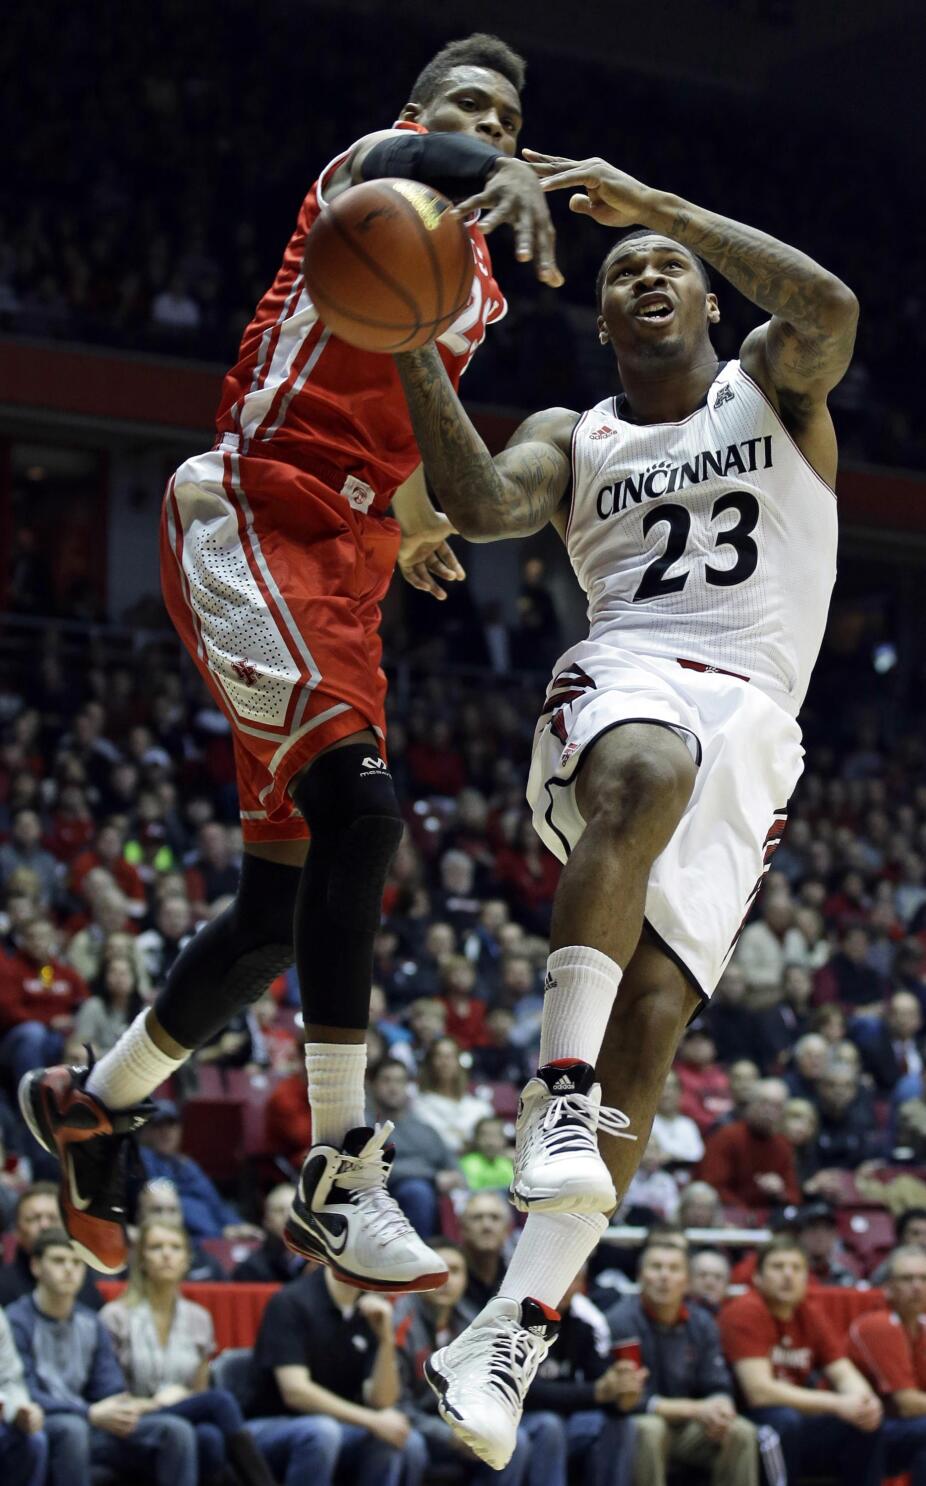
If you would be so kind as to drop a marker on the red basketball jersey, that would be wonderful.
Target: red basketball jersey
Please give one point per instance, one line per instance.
(300, 395)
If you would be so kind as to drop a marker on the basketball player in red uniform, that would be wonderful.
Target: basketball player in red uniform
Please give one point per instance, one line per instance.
(276, 552)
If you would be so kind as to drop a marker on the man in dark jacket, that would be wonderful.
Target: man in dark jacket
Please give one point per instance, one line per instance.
(686, 1416)
(272, 1263)
(847, 1134)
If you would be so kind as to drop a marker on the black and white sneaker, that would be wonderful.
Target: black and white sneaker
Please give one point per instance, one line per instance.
(343, 1216)
(557, 1164)
(481, 1378)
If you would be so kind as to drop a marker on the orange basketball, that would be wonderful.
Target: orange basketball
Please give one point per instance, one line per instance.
(388, 266)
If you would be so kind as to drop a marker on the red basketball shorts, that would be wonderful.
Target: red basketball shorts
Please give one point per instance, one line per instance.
(274, 583)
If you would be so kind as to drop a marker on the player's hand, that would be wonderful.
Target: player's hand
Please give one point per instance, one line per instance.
(426, 556)
(514, 195)
(607, 194)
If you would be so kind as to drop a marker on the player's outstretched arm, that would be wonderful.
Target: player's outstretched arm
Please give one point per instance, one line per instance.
(473, 174)
(806, 347)
(510, 496)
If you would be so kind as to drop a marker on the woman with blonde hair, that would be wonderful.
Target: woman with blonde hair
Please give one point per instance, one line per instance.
(164, 1342)
(443, 1099)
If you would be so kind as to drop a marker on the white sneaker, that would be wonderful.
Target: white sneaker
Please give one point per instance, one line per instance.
(343, 1216)
(481, 1378)
(557, 1165)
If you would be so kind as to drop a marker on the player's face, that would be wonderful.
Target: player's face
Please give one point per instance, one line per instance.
(653, 301)
(477, 101)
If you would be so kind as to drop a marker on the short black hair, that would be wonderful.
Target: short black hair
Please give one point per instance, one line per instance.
(646, 232)
(910, 1215)
(479, 50)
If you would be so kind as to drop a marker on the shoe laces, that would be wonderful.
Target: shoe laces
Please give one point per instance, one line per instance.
(364, 1177)
(567, 1115)
(514, 1356)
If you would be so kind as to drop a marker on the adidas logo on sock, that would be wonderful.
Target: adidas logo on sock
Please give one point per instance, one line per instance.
(550, 982)
(564, 1085)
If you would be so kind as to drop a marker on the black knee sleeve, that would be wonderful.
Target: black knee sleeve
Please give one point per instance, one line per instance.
(230, 963)
(349, 803)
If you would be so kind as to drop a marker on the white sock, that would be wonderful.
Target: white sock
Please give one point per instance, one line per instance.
(133, 1069)
(579, 992)
(549, 1254)
(337, 1096)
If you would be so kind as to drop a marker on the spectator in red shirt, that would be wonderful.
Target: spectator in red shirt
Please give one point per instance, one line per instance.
(749, 1161)
(39, 995)
(775, 1342)
(106, 852)
(466, 1014)
(706, 1094)
(889, 1347)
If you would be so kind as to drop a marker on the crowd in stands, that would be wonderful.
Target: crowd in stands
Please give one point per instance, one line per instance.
(796, 1108)
(160, 221)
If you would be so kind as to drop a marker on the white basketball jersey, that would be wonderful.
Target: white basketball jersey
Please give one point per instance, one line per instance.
(710, 540)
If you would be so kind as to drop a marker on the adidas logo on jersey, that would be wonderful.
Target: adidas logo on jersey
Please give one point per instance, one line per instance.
(604, 432)
(563, 1085)
(725, 394)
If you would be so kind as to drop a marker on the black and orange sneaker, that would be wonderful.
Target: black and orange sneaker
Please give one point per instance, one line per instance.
(94, 1146)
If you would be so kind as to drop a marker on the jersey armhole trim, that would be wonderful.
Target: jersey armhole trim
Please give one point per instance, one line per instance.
(788, 435)
(329, 169)
(572, 471)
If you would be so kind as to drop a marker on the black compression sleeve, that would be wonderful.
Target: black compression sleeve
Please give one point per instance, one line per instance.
(455, 164)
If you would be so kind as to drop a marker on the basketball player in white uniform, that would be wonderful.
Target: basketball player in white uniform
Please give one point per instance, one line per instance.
(698, 513)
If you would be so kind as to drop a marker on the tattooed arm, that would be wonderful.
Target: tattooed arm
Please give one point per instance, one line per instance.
(512, 495)
(802, 352)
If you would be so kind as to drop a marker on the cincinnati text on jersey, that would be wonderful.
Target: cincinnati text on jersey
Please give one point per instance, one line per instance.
(665, 478)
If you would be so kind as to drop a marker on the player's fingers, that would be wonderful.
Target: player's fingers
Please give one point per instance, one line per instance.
(412, 576)
(545, 251)
(495, 218)
(439, 569)
(524, 234)
(581, 204)
(473, 204)
(428, 583)
(566, 179)
(447, 555)
(547, 162)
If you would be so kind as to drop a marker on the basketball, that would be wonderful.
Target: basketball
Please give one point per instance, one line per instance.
(388, 265)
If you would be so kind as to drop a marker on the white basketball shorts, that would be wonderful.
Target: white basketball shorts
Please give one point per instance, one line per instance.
(748, 755)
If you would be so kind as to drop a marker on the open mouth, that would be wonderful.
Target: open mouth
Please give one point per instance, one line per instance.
(654, 308)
